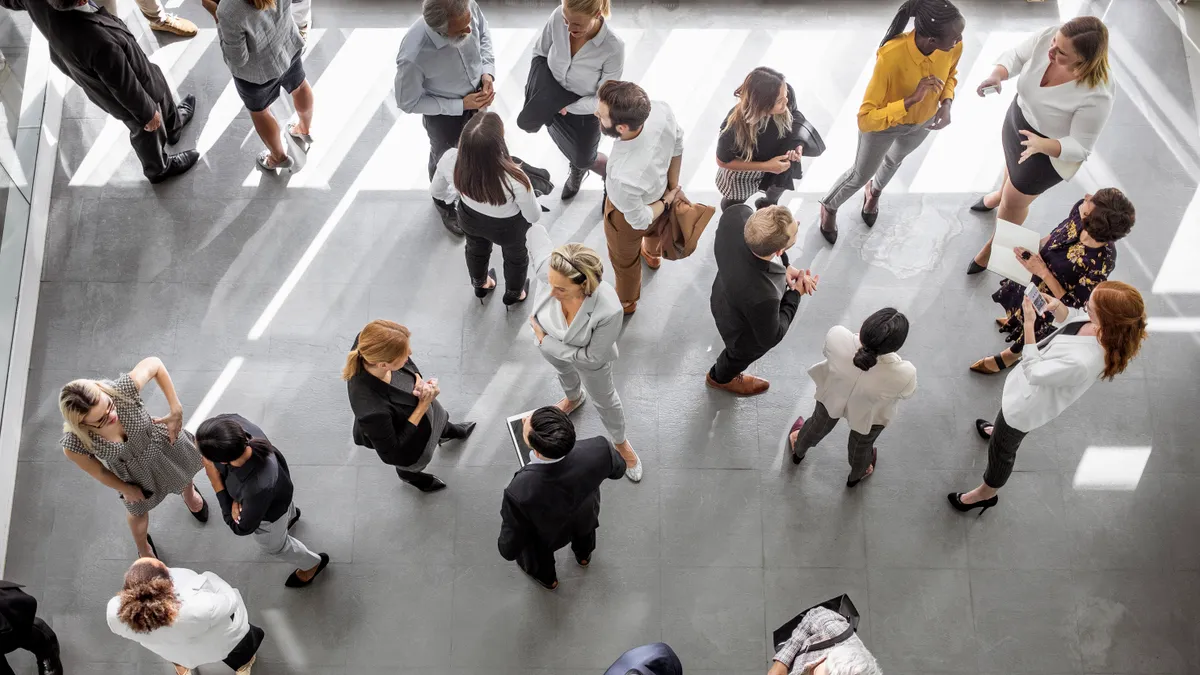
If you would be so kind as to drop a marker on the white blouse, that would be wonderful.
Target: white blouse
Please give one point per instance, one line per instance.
(521, 199)
(1046, 382)
(600, 59)
(212, 621)
(1072, 113)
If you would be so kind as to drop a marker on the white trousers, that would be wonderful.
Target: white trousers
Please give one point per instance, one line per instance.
(598, 383)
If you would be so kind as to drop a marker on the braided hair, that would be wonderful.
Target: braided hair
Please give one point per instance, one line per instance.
(931, 18)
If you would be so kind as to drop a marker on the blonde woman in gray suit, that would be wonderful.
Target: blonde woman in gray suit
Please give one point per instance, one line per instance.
(576, 321)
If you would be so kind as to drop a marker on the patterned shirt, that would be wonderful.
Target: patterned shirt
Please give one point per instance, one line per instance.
(818, 625)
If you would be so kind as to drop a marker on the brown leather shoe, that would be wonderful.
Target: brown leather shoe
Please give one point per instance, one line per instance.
(630, 308)
(829, 225)
(742, 385)
(652, 261)
(870, 208)
(176, 25)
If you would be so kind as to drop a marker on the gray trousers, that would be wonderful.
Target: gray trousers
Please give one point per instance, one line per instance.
(151, 9)
(859, 448)
(275, 540)
(879, 156)
(598, 383)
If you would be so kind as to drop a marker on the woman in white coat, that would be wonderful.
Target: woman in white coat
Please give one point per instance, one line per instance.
(576, 321)
(862, 379)
(187, 618)
(1098, 342)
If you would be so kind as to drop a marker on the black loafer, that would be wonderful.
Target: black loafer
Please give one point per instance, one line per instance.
(187, 109)
(177, 164)
(294, 581)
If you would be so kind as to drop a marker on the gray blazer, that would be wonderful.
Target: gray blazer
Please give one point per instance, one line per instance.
(258, 46)
(591, 340)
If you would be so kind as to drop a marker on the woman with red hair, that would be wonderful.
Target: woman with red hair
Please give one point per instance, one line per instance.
(1096, 342)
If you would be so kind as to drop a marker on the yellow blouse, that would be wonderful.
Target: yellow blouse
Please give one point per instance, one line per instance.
(899, 66)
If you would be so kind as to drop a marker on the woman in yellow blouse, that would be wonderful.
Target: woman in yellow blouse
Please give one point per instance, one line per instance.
(909, 95)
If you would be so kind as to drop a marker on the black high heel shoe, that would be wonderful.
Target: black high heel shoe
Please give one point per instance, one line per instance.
(975, 268)
(981, 206)
(955, 499)
(980, 425)
(510, 300)
(481, 292)
(153, 549)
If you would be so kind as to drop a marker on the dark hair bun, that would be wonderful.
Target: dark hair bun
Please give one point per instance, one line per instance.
(864, 359)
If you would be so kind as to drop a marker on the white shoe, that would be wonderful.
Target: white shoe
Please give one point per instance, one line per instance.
(634, 473)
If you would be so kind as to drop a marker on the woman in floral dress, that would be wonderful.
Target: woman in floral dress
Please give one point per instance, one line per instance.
(109, 434)
(1080, 253)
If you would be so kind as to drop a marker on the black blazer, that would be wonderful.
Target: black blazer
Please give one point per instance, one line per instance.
(748, 303)
(544, 97)
(17, 611)
(381, 414)
(545, 504)
(97, 51)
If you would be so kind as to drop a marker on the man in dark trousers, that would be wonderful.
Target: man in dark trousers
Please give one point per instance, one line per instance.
(21, 629)
(97, 51)
(749, 301)
(555, 499)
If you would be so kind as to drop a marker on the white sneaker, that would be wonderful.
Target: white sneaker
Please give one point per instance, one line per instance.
(634, 473)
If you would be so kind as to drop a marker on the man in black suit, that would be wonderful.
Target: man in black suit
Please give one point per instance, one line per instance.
(97, 51)
(749, 302)
(21, 629)
(555, 499)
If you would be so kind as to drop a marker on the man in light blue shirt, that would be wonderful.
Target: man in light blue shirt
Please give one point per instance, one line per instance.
(445, 71)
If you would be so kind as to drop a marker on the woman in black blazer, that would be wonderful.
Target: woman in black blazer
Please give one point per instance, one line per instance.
(396, 412)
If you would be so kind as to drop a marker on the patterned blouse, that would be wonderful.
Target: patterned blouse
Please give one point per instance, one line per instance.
(1077, 268)
(146, 458)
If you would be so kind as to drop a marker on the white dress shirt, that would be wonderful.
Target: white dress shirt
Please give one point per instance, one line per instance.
(521, 199)
(864, 397)
(212, 620)
(600, 59)
(637, 168)
(1047, 381)
(433, 76)
(1072, 113)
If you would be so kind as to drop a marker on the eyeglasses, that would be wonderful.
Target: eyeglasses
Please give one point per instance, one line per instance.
(104, 421)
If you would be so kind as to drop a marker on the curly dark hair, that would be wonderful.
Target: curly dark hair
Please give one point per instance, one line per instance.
(148, 597)
(1112, 216)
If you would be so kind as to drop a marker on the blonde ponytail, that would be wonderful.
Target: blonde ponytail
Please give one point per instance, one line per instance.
(380, 341)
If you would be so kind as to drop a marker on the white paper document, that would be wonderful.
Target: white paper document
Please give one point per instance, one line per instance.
(1003, 261)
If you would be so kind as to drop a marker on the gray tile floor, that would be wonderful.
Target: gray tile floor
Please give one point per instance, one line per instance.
(724, 539)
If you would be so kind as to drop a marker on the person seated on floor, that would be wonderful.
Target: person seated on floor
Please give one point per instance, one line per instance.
(555, 499)
(849, 657)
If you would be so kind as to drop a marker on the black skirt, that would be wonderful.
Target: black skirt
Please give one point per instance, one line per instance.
(1036, 174)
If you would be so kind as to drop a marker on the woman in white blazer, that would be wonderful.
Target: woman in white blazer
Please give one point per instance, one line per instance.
(1064, 97)
(187, 618)
(576, 321)
(1098, 342)
(862, 379)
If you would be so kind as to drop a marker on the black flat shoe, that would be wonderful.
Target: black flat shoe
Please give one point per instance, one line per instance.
(186, 110)
(294, 519)
(294, 581)
(974, 268)
(981, 207)
(202, 514)
(509, 299)
(955, 499)
(980, 426)
(176, 165)
(481, 292)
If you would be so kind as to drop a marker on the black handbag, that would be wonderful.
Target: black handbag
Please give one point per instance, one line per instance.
(813, 145)
(841, 604)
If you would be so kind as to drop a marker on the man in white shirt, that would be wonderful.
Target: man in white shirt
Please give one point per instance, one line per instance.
(642, 180)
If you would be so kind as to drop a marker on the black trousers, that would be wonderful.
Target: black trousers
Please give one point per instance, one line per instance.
(577, 137)
(39, 639)
(246, 649)
(507, 233)
(538, 560)
(443, 132)
(151, 146)
(858, 449)
(1002, 452)
(734, 360)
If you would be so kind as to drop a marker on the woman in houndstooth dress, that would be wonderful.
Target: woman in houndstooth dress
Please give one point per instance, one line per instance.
(109, 434)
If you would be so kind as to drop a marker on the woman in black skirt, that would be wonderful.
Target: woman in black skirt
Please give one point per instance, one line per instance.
(496, 205)
(760, 143)
(1063, 102)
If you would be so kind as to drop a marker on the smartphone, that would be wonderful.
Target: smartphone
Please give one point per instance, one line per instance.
(992, 89)
(1035, 296)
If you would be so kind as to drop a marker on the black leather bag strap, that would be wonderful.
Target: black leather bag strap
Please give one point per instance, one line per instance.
(842, 605)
